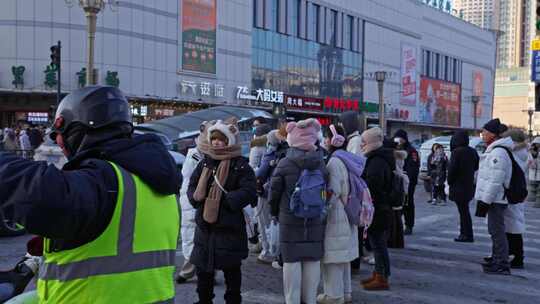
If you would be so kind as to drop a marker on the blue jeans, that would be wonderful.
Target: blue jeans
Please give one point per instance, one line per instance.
(379, 243)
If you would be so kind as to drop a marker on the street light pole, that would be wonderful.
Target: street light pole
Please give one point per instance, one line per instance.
(91, 9)
(380, 76)
(475, 99)
(530, 112)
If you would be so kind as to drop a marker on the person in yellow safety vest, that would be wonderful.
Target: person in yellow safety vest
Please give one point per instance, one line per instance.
(109, 218)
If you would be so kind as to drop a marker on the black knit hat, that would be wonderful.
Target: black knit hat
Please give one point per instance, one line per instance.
(401, 134)
(495, 126)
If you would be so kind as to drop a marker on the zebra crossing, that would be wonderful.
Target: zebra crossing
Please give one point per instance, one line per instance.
(432, 268)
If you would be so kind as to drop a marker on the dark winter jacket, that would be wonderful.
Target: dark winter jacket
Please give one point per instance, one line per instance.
(223, 244)
(299, 240)
(378, 176)
(437, 169)
(463, 165)
(268, 165)
(73, 206)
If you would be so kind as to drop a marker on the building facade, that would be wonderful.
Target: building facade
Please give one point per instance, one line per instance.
(482, 13)
(311, 58)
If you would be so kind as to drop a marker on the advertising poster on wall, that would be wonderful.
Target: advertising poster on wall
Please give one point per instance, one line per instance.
(199, 35)
(440, 102)
(408, 75)
(478, 90)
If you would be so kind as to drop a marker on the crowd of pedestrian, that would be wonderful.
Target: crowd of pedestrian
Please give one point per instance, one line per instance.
(22, 139)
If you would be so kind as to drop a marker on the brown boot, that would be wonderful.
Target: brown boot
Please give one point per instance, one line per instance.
(380, 283)
(368, 280)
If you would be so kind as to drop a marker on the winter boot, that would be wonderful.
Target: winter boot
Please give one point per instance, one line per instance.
(370, 279)
(517, 263)
(325, 299)
(379, 283)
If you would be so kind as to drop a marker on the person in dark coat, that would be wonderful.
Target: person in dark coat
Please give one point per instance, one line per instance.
(378, 176)
(463, 165)
(412, 167)
(74, 206)
(437, 166)
(301, 241)
(221, 186)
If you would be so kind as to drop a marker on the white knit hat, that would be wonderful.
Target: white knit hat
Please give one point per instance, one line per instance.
(229, 130)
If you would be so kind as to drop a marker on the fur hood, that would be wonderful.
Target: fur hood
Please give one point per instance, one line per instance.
(400, 154)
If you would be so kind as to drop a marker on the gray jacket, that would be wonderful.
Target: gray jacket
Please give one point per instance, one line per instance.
(299, 240)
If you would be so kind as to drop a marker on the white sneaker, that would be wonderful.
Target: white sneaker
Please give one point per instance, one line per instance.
(371, 261)
(324, 299)
(276, 265)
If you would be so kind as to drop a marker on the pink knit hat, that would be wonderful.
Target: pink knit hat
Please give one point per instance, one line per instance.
(303, 134)
(337, 140)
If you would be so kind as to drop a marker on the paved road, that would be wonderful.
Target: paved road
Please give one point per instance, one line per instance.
(431, 269)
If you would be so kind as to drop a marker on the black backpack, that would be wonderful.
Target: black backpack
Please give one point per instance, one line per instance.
(517, 190)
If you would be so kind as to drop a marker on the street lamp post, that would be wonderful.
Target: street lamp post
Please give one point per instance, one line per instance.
(91, 9)
(475, 99)
(380, 76)
(530, 112)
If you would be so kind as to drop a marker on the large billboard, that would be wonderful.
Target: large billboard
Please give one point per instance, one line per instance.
(199, 35)
(478, 90)
(408, 75)
(440, 102)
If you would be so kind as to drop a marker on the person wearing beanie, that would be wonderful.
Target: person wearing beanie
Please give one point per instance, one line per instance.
(395, 236)
(301, 241)
(378, 175)
(461, 170)
(341, 236)
(220, 187)
(494, 174)
(412, 167)
(514, 215)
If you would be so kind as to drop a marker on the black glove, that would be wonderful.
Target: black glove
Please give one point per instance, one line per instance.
(481, 209)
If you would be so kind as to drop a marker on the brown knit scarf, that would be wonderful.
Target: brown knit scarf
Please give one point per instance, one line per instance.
(213, 197)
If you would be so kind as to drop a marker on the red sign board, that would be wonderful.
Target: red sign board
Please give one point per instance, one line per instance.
(340, 104)
(303, 103)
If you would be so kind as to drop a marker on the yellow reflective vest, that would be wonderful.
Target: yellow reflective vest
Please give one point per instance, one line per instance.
(132, 261)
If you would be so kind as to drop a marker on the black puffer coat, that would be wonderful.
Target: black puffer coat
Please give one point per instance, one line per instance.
(463, 164)
(299, 241)
(378, 176)
(223, 244)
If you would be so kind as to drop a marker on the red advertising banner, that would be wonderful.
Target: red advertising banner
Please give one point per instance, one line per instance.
(440, 102)
(337, 105)
(199, 35)
(478, 90)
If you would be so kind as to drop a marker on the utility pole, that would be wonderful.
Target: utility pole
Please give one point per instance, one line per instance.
(475, 99)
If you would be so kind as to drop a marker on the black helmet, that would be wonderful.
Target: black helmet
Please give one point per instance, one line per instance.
(94, 107)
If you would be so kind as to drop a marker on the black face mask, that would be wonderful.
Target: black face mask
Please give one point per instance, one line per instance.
(73, 139)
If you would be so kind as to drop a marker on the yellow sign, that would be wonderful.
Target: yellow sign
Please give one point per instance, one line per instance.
(535, 45)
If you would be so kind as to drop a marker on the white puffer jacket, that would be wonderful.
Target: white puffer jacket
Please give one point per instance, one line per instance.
(341, 238)
(514, 215)
(188, 212)
(495, 171)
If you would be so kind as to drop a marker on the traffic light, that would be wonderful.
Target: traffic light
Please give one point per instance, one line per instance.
(55, 56)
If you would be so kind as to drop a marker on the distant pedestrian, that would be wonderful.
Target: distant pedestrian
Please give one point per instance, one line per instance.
(351, 123)
(25, 145)
(463, 166)
(220, 187)
(437, 166)
(301, 240)
(378, 176)
(493, 178)
(340, 239)
(276, 150)
(188, 225)
(514, 216)
(10, 140)
(395, 231)
(35, 137)
(533, 165)
(412, 167)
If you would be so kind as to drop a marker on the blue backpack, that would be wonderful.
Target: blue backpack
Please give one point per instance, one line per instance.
(308, 200)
